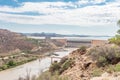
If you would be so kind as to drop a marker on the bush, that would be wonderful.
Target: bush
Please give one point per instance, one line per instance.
(115, 40)
(60, 67)
(4, 67)
(47, 76)
(117, 67)
(63, 60)
(102, 61)
(105, 55)
(68, 63)
(97, 72)
(54, 67)
(113, 68)
(11, 63)
(83, 49)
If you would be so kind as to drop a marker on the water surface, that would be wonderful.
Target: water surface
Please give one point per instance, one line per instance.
(34, 67)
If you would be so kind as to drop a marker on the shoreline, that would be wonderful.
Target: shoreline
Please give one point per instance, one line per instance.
(18, 64)
(20, 71)
(39, 58)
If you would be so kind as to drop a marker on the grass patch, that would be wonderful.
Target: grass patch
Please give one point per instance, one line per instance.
(110, 69)
(13, 63)
(47, 76)
(114, 68)
(117, 67)
(61, 66)
(97, 72)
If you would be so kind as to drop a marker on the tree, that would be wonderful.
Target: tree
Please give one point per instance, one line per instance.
(116, 39)
(118, 23)
(11, 63)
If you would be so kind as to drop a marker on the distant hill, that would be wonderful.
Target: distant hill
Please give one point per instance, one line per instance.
(10, 41)
(43, 34)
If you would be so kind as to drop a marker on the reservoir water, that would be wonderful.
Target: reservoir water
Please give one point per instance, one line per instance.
(77, 38)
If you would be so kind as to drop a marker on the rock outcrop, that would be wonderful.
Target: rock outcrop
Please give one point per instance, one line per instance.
(86, 68)
(82, 68)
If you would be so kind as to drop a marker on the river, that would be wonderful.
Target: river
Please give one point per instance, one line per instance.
(34, 67)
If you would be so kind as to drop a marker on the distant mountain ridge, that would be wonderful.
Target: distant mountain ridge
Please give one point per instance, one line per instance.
(43, 34)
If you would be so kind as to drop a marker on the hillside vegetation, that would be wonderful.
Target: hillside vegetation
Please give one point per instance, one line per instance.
(11, 41)
(85, 64)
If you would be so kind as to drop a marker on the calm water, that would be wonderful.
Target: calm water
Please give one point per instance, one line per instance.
(34, 68)
(93, 38)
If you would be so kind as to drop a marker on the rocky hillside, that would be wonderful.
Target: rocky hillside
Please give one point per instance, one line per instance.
(95, 63)
(10, 41)
(81, 68)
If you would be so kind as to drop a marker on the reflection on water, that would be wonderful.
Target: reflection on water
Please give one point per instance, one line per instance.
(32, 68)
(92, 38)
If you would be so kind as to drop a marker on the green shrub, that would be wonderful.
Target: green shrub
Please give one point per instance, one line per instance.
(54, 67)
(60, 67)
(113, 68)
(1, 69)
(102, 61)
(47, 76)
(97, 72)
(68, 63)
(11, 63)
(105, 55)
(117, 67)
(83, 49)
(63, 60)
(115, 40)
(4, 67)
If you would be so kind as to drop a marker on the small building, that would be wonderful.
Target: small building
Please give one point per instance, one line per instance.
(99, 42)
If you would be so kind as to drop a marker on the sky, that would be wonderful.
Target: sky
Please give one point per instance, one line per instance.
(84, 17)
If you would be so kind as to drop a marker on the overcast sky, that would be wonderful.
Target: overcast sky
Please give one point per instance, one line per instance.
(89, 17)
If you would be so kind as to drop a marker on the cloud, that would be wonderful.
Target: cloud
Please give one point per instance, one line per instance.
(63, 13)
(15, 0)
(91, 1)
(98, 1)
